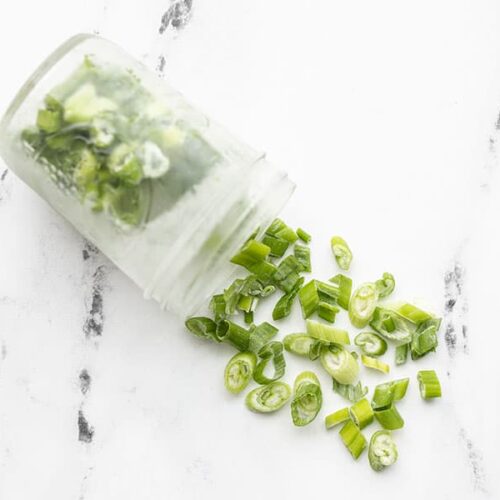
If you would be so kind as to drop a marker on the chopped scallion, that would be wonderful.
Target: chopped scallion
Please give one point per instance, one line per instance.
(344, 284)
(337, 417)
(280, 230)
(342, 252)
(268, 398)
(298, 343)
(233, 334)
(361, 413)
(202, 327)
(239, 371)
(309, 298)
(251, 253)
(371, 344)
(352, 393)
(362, 305)
(389, 418)
(305, 237)
(401, 354)
(385, 285)
(382, 451)
(284, 305)
(375, 363)
(339, 363)
(260, 336)
(271, 352)
(303, 255)
(326, 333)
(388, 393)
(278, 246)
(353, 439)
(307, 398)
(430, 386)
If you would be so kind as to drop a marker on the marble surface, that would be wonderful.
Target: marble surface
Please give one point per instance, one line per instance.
(386, 116)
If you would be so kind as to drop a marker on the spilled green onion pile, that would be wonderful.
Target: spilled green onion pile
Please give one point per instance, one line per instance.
(275, 265)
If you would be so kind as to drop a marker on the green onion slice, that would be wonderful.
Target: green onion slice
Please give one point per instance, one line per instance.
(248, 317)
(251, 253)
(328, 312)
(385, 285)
(202, 327)
(389, 418)
(260, 336)
(392, 326)
(371, 344)
(401, 354)
(307, 399)
(352, 393)
(283, 307)
(429, 384)
(344, 284)
(411, 313)
(287, 275)
(362, 305)
(218, 307)
(342, 252)
(353, 439)
(303, 235)
(279, 229)
(361, 413)
(326, 333)
(309, 298)
(239, 371)
(337, 417)
(375, 364)
(388, 393)
(268, 398)
(339, 363)
(425, 339)
(303, 256)
(271, 352)
(298, 343)
(233, 334)
(278, 246)
(382, 451)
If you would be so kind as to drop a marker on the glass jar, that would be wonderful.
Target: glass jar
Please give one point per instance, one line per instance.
(165, 193)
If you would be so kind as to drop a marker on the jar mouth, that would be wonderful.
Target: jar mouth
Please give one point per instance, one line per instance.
(186, 288)
(39, 73)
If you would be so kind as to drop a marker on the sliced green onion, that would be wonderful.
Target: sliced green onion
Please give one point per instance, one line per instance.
(362, 305)
(271, 352)
(287, 275)
(260, 336)
(268, 398)
(425, 339)
(303, 255)
(353, 439)
(305, 237)
(328, 312)
(385, 285)
(278, 246)
(429, 384)
(388, 393)
(232, 295)
(392, 326)
(345, 288)
(361, 413)
(284, 305)
(402, 354)
(412, 313)
(382, 451)
(239, 371)
(375, 364)
(326, 333)
(342, 252)
(352, 393)
(251, 253)
(202, 327)
(280, 230)
(315, 350)
(268, 290)
(309, 298)
(370, 343)
(389, 418)
(248, 317)
(233, 334)
(307, 399)
(337, 417)
(218, 307)
(339, 363)
(264, 271)
(298, 343)
(247, 303)
(327, 292)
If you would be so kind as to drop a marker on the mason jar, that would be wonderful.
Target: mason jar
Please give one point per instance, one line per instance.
(164, 192)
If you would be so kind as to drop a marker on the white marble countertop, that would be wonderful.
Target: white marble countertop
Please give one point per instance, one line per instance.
(385, 114)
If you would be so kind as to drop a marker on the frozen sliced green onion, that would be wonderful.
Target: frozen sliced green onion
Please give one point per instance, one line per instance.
(388, 393)
(233, 334)
(389, 418)
(339, 363)
(375, 364)
(344, 284)
(305, 237)
(303, 255)
(328, 312)
(260, 336)
(278, 246)
(352, 393)
(342, 252)
(429, 384)
(361, 413)
(287, 275)
(307, 398)
(425, 340)
(326, 333)
(270, 353)
(382, 451)
(337, 417)
(371, 344)
(353, 439)
(203, 327)
(239, 371)
(251, 253)
(284, 305)
(401, 354)
(280, 230)
(298, 343)
(362, 304)
(385, 285)
(309, 298)
(268, 398)
(392, 326)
